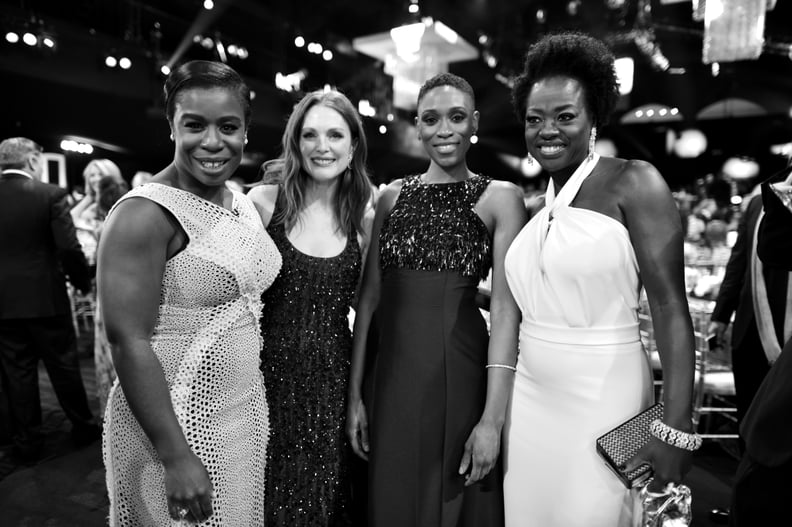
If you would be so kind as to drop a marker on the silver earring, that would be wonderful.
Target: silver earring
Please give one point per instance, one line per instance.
(529, 159)
(246, 140)
(592, 142)
(171, 137)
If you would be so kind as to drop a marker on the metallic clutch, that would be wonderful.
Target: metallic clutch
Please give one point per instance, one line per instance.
(623, 442)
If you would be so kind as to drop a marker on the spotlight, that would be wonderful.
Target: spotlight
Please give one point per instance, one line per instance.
(12, 37)
(413, 8)
(124, 63)
(232, 49)
(208, 4)
(207, 43)
(48, 42)
(165, 69)
(242, 53)
(298, 42)
(383, 129)
(327, 55)
(111, 61)
(30, 39)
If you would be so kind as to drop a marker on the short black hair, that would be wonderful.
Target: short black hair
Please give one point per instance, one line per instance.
(576, 55)
(205, 74)
(447, 79)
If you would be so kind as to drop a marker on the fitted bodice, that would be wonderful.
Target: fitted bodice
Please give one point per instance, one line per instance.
(435, 227)
(576, 269)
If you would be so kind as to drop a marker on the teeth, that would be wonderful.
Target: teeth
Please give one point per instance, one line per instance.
(551, 149)
(445, 148)
(212, 164)
(324, 162)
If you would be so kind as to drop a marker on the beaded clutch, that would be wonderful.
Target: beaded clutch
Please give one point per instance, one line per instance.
(623, 442)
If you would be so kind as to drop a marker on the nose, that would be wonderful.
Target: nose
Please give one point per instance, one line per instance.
(211, 138)
(322, 143)
(548, 127)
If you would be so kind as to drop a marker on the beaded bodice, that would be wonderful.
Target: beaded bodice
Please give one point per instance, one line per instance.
(434, 227)
(327, 284)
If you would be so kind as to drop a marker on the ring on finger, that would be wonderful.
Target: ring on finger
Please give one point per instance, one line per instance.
(182, 512)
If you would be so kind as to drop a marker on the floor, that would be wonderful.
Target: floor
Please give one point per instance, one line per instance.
(66, 488)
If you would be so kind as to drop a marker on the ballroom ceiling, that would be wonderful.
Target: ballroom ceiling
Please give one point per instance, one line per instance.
(68, 91)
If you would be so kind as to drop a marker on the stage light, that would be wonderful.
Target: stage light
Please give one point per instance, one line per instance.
(165, 70)
(242, 53)
(207, 43)
(124, 63)
(383, 129)
(413, 8)
(299, 42)
(327, 55)
(12, 37)
(208, 4)
(111, 61)
(48, 42)
(30, 39)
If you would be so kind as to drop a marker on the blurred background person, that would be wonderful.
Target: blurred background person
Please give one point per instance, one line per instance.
(141, 177)
(183, 262)
(316, 206)
(87, 214)
(610, 227)
(441, 384)
(39, 251)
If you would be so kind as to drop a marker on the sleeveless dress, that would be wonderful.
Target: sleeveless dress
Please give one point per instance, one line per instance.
(430, 378)
(207, 340)
(581, 368)
(305, 361)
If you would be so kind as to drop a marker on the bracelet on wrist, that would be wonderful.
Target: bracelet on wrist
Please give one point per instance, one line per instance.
(675, 437)
(504, 366)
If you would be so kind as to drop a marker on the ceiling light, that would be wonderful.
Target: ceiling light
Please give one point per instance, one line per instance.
(47, 41)
(327, 55)
(413, 8)
(30, 39)
(165, 69)
(299, 41)
(12, 37)
(383, 129)
(110, 61)
(124, 63)
(208, 4)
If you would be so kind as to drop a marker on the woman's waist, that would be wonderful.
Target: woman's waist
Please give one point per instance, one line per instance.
(428, 287)
(600, 335)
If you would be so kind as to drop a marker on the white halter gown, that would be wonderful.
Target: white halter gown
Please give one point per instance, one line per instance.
(581, 368)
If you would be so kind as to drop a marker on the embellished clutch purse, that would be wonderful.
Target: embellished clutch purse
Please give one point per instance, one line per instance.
(623, 442)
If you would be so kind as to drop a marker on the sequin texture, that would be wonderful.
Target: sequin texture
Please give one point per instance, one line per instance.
(305, 361)
(455, 238)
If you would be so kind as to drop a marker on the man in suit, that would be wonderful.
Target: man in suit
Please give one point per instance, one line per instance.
(38, 249)
(752, 351)
(762, 486)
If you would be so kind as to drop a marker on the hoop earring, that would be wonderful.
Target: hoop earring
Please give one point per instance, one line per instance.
(592, 142)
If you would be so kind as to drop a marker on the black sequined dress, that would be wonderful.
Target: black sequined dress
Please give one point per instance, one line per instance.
(305, 362)
(430, 380)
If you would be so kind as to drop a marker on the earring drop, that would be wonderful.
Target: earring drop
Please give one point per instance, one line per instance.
(592, 142)
(529, 159)
(246, 140)
(171, 136)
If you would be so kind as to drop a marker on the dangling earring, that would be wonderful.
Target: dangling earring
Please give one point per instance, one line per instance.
(171, 136)
(592, 142)
(529, 159)
(246, 140)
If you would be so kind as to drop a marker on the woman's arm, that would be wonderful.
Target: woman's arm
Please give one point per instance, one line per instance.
(131, 262)
(263, 198)
(655, 228)
(506, 207)
(368, 299)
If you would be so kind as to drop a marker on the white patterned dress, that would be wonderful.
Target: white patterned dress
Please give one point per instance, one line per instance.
(208, 342)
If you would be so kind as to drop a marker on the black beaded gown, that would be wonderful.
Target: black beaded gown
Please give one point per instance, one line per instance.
(430, 378)
(305, 361)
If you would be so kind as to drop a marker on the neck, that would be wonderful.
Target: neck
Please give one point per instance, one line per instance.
(321, 193)
(560, 177)
(438, 174)
(213, 193)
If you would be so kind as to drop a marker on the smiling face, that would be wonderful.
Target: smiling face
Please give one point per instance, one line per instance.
(92, 177)
(446, 120)
(557, 124)
(209, 132)
(325, 143)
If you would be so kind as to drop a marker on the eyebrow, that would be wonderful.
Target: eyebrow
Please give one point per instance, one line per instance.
(201, 117)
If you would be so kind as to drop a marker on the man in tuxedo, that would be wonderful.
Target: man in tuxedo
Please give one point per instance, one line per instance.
(38, 249)
(753, 350)
(762, 486)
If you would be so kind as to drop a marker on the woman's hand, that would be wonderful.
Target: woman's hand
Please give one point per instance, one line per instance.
(670, 463)
(188, 489)
(357, 427)
(481, 452)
